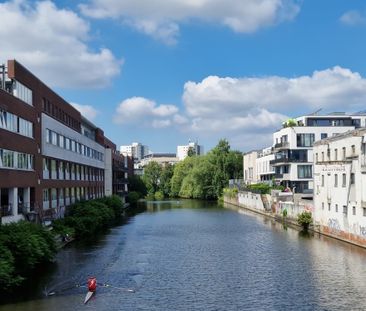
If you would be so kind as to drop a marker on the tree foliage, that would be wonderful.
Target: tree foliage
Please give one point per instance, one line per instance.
(23, 246)
(198, 177)
(151, 177)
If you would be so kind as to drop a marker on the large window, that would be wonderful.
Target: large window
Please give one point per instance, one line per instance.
(23, 93)
(15, 160)
(13, 123)
(304, 171)
(305, 140)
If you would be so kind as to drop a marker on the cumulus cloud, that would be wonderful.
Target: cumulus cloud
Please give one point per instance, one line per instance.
(161, 18)
(87, 111)
(52, 43)
(334, 88)
(144, 111)
(251, 109)
(353, 18)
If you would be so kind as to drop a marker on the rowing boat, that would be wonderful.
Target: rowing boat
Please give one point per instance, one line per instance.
(89, 294)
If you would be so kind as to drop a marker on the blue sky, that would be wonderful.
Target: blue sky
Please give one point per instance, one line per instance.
(163, 72)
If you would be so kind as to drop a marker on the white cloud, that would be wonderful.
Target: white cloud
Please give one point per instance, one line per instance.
(335, 88)
(248, 110)
(252, 108)
(161, 18)
(87, 111)
(145, 112)
(52, 43)
(353, 18)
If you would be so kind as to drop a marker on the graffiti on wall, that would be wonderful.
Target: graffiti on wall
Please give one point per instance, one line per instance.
(362, 231)
(334, 224)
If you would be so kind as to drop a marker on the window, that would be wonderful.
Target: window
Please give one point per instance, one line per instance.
(345, 210)
(322, 205)
(335, 154)
(336, 180)
(22, 92)
(364, 211)
(352, 178)
(336, 208)
(353, 148)
(54, 138)
(7, 158)
(344, 180)
(353, 210)
(328, 154)
(322, 180)
(344, 153)
(25, 127)
(67, 143)
(48, 136)
(61, 141)
(304, 171)
(328, 206)
(323, 135)
(322, 156)
(45, 195)
(53, 194)
(316, 157)
(305, 140)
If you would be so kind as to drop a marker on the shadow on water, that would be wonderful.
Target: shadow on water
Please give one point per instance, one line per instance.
(42, 283)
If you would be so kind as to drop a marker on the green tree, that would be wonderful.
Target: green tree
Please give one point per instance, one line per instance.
(151, 177)
(165, 180)
(191, 152)
(136, 184)
(181, 170)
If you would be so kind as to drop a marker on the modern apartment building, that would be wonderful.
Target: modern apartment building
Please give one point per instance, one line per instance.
(293, 146)
(183, 151)
(340, 186)
(50, 156)
(135, 150)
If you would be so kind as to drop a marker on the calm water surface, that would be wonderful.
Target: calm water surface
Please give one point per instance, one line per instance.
(189, 255)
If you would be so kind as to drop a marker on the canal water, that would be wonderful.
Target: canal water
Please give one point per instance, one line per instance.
(190, 255)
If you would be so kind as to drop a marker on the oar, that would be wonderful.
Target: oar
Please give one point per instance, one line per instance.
(119, 288)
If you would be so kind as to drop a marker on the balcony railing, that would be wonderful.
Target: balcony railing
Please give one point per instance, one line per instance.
(288, 160)
(283, 144)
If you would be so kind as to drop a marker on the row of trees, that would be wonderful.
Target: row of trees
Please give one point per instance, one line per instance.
(198, 177)
(24, 245)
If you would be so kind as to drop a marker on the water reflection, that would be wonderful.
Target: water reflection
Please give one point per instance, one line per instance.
(192, 255)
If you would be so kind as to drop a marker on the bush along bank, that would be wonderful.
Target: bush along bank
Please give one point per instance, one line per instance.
(24, 245)
(88, 217)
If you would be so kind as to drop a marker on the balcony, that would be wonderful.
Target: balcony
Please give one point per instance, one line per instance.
(282, 145)
(287, 160)
(279, 160)
(284, 176)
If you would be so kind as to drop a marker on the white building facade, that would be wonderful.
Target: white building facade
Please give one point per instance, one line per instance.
(340, 186)
(265, 170)
(182, 151)
(293, 146)
(250, 167)
(135, 150)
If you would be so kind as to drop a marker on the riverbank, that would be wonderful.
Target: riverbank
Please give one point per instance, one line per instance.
(291, 221)
(288, 221)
